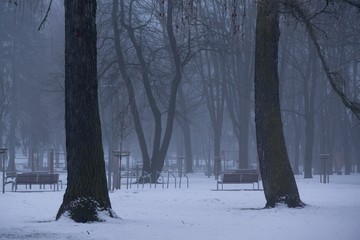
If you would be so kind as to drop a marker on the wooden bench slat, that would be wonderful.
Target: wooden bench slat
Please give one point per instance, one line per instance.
(37, 178)
(48, 178)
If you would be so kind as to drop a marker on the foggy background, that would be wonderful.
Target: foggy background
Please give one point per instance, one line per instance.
(215, 108)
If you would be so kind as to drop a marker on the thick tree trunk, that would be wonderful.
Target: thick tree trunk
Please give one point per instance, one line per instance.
(278, 179)
(86, 193)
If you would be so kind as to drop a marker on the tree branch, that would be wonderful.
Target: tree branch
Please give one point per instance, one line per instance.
(46, 15)
(335, 78)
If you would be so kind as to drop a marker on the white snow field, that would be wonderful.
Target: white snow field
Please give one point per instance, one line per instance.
(194, 213)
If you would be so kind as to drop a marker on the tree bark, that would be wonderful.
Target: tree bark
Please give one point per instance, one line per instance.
(86, 194)
(277, 176)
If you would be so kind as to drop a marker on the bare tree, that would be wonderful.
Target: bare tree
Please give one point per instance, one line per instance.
(335, 78)
(152, 164)
(277, 176)
(86, 193)
(240, 84)
(338, 78)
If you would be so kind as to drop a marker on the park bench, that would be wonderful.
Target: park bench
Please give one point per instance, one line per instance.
(8, 178)
(37, 178)
(240, 176)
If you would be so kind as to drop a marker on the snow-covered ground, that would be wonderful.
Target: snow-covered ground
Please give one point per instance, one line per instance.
(197, 212)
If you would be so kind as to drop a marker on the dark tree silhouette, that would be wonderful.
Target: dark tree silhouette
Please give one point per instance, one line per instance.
(86, 192)
(277, 176)
(152, 164)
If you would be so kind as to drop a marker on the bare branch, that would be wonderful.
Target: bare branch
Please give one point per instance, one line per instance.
(46, 15)
(335, 78)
